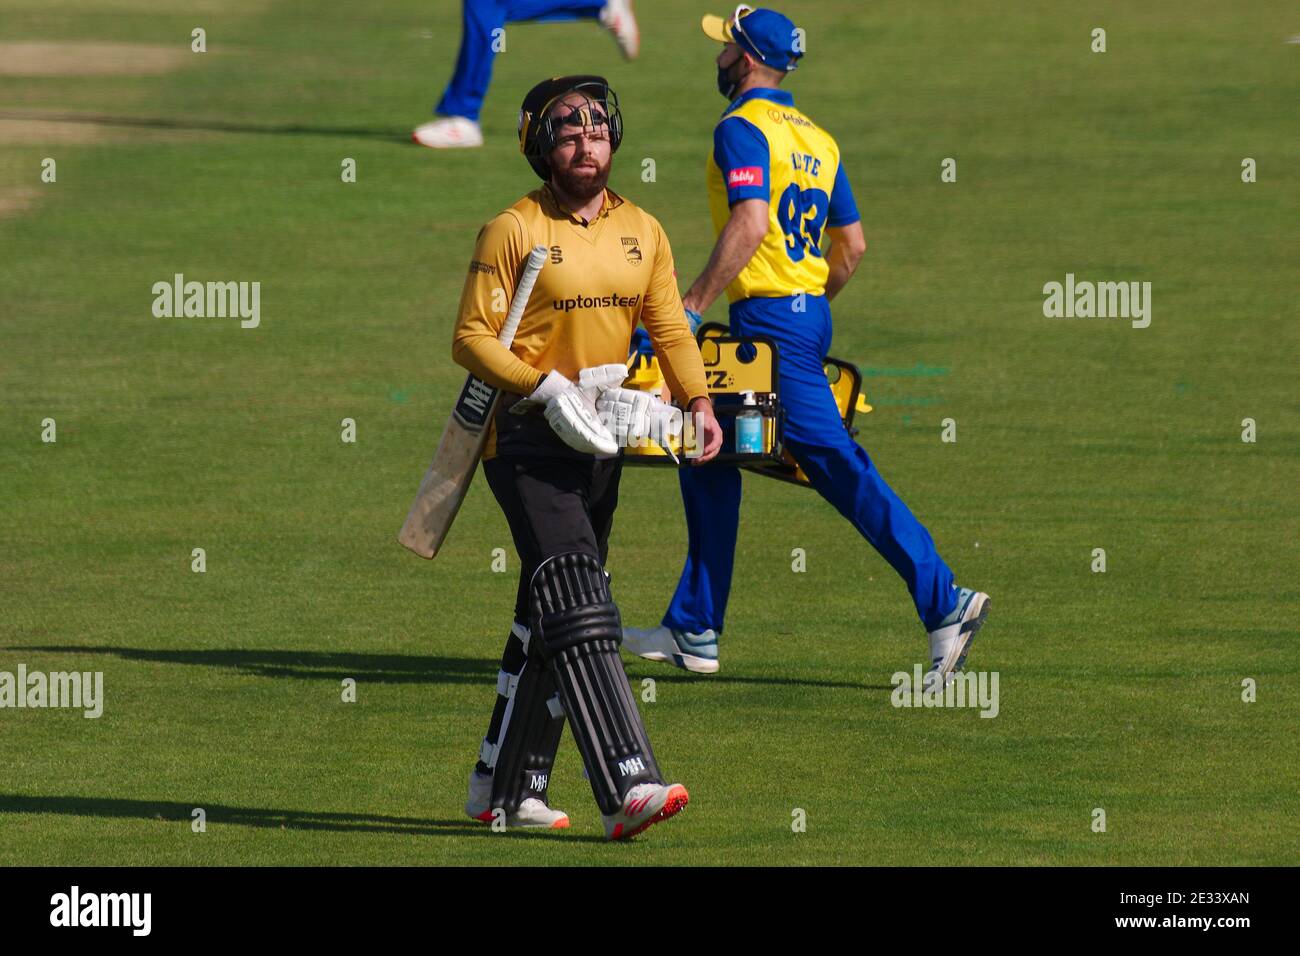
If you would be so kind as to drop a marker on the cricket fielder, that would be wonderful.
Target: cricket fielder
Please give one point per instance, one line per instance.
(554, 467)
(482, 26)
(777, 188)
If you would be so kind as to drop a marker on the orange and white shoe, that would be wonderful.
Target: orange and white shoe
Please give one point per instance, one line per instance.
(617, 17)
(644, 806)
(531, 813)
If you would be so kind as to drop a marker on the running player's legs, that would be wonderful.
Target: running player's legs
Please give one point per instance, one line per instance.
(837, 466)
(711, 496)
(548, 10)
(479, 18)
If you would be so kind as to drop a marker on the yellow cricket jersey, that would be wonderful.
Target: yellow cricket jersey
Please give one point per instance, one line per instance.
(764, 148)
(601, 278)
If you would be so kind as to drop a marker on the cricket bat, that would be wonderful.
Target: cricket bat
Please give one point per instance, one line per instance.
(449, 475)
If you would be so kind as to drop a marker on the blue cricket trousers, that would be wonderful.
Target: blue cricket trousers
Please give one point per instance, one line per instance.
(469, 84)
(836, 465)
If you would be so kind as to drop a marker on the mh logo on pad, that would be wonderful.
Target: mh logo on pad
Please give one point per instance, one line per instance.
(745, 176)
(538, 781)
(630, 766)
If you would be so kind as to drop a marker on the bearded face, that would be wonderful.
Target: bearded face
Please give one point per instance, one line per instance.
(580, 161)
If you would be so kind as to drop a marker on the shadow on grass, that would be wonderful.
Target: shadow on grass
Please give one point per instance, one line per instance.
(309, 665)
(217, 814)
(676, 677)
(391, 668)
(212, 126)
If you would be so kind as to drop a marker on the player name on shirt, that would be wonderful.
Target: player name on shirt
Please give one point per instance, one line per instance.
(806, 162)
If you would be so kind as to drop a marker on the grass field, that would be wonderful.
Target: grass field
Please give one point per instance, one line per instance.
(1119, 690)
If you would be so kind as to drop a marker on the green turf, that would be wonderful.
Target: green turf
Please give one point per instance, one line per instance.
(1119, 690)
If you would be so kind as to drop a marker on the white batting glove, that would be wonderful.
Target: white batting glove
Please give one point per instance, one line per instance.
(635, 418)
(551, 385)
(593, 381)
(598, 378)
(554, 385)
(572, 415)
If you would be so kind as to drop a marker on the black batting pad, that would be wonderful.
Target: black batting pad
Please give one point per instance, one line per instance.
(577, 629)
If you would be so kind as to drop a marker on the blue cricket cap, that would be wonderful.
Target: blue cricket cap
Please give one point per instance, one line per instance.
(768, 36)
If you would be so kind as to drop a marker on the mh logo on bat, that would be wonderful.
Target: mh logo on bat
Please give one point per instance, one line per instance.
(475, 403)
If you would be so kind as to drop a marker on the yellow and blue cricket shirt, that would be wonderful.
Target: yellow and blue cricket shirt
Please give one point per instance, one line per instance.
(765, 148)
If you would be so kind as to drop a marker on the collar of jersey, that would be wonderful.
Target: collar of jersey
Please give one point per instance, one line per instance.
(612, 201)
(780, 97)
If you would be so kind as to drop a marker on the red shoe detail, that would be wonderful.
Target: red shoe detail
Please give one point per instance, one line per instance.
(636, 806)
(675, 804)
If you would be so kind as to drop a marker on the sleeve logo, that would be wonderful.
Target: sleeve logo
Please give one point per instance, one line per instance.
(745, 176)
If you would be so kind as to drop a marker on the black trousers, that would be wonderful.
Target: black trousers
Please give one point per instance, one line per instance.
(554, 505)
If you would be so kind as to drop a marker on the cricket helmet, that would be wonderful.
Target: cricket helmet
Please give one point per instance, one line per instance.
(538, 132)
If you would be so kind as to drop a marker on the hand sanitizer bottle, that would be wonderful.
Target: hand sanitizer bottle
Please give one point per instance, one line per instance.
(749, 427)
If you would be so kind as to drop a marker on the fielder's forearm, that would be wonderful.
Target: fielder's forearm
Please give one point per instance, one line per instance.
(841, 271)
(847, 248)
(736, 245)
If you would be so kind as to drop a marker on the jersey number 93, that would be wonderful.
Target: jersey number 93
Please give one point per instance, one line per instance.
(802, 213)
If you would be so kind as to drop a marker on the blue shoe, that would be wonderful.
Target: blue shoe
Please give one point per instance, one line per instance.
(697, 653)
(950, 642)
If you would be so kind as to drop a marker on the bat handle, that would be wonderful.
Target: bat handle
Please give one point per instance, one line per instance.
(536, 259)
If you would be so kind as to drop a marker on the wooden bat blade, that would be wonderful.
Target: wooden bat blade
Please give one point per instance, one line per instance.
(444, 485)
(442, 490)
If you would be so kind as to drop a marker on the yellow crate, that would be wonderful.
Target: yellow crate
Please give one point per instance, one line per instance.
(733, 365)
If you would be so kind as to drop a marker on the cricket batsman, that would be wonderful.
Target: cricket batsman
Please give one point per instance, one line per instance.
(777, 191)
(553, 464)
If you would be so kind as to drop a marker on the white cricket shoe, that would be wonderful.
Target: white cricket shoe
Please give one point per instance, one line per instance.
(531, 813)
(617, 17)
(697, 653)
(645, 805)
(450, 132)
(950, 642)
